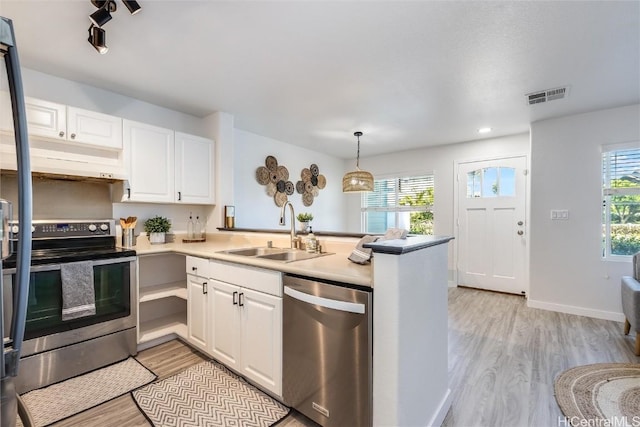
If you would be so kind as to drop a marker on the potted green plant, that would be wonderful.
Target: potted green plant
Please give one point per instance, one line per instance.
(156, 228)
(304, 218)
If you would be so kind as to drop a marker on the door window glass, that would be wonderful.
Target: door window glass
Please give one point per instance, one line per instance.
(491, 182)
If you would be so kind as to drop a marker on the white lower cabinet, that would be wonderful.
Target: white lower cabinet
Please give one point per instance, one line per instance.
(246, 328)
(197, 310)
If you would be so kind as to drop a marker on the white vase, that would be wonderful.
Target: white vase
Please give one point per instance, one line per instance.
(155, 238)
(304, 226)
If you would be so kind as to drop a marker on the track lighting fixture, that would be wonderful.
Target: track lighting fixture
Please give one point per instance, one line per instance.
(98, 39)
(97, 36)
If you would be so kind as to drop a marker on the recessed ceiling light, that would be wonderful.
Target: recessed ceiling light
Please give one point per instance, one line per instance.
(484, 130)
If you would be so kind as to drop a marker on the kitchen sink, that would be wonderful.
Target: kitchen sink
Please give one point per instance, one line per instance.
(254, 251)
(275, 254)
(290, 256)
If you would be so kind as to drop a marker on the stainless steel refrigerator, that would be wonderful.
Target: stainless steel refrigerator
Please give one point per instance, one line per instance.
(13, 337)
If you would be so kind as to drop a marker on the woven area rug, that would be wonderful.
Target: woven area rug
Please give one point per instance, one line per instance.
(64, 399)
(603, 391)
(206, 395)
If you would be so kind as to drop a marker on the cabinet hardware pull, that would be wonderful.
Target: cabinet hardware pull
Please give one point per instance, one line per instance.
(194, 268)
(179, 196)
(61, 134)
(128, 193)
(204, 288)
(73, 136)
(241, 300)
(235, 294)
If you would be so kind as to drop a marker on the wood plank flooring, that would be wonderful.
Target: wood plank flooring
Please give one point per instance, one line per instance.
(503, 357)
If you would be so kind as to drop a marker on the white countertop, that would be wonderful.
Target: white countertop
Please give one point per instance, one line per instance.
(334, 266)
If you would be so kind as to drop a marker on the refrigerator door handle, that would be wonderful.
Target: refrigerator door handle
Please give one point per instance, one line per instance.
(23, 260)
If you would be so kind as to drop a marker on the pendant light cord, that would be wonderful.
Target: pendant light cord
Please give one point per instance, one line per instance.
(358, 155)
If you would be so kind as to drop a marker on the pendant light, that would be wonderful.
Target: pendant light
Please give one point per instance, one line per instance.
(357, 180)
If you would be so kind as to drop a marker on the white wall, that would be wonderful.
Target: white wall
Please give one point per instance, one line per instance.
(441, 161)
(567, 270)
(255, 209)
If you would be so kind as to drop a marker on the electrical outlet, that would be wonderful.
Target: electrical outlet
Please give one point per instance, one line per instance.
(106, 175)
(559, 214)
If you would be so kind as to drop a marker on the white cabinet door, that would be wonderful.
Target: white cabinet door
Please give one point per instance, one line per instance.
(89, 127)
(150, 158)
(261, 332)
(45, 119)
(225, 323)
(194, 169)
(197, 304)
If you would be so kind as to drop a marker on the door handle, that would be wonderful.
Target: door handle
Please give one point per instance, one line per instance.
(241, 300)
(204, 288)
(520, 232)
(235, 294)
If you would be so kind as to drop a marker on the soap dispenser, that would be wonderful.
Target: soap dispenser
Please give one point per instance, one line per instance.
(197, 229)
(311, 241)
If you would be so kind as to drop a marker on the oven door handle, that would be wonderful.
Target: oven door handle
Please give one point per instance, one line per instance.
(55, 267)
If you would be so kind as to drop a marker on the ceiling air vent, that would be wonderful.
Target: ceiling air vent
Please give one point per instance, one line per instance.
(547, 95)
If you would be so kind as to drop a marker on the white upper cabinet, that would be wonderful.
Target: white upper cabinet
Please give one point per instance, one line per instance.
(150, 158)
(194, 169)
(62, 123)
(93, 128)
(166, 166)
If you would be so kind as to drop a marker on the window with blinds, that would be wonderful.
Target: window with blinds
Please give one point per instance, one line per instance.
(621, 200)
(402, 202)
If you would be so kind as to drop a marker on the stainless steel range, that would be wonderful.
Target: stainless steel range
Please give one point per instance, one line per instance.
(62, 340)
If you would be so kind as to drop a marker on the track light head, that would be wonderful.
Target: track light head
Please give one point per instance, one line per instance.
(98, 39)
(132, 5)
(100, 17)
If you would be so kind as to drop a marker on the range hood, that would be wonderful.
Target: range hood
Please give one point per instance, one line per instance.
(66, 161)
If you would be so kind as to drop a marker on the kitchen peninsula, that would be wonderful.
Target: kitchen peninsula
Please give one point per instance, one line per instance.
(409, 278)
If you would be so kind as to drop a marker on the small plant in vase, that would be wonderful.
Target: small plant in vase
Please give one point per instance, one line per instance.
(304, 219)
(156, 228)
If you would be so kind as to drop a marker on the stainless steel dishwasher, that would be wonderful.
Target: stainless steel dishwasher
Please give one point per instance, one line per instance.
(327, 360)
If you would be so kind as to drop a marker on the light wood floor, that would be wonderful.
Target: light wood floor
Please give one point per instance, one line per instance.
(503, 357)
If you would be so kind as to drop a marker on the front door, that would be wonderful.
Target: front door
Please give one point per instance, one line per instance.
(491, 220)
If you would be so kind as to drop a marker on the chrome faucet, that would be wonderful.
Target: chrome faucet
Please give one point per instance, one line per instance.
(282, 222)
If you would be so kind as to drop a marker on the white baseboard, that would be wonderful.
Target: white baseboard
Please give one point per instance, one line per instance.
(452, 284)
(441, 413)
(580, 311)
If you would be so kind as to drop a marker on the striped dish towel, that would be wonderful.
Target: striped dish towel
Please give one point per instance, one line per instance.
(362, 255)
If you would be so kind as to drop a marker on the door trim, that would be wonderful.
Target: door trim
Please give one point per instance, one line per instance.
(456, 215)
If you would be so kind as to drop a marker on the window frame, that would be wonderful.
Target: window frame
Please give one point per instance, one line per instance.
(396, 208)
(607, 191)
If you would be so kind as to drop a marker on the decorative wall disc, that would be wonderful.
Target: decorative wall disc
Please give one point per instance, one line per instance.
(314, 170)
(271, 163)
(273, 177)
(305, 174)
(315, 192)
(300, 187)
(322, 181)
(280, 199)
(308, 187)
(307, 199)
(262, 175)
(289, 188)
(283, 173)
(314, 180)
(271, 189)
(280, 186)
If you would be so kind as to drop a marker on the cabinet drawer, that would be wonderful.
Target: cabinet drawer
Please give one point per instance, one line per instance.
(198, 266)
(258, 279)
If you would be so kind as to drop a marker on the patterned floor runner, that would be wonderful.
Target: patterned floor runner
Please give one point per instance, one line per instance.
(207, 395)
(62, 400)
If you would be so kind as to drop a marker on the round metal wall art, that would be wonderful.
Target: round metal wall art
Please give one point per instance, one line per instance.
(310, 184)
(275, 178)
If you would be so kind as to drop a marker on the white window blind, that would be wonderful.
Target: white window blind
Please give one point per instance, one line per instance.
(404, 202)
(621, 200)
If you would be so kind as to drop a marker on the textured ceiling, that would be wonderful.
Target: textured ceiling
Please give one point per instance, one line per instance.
(310, 73)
